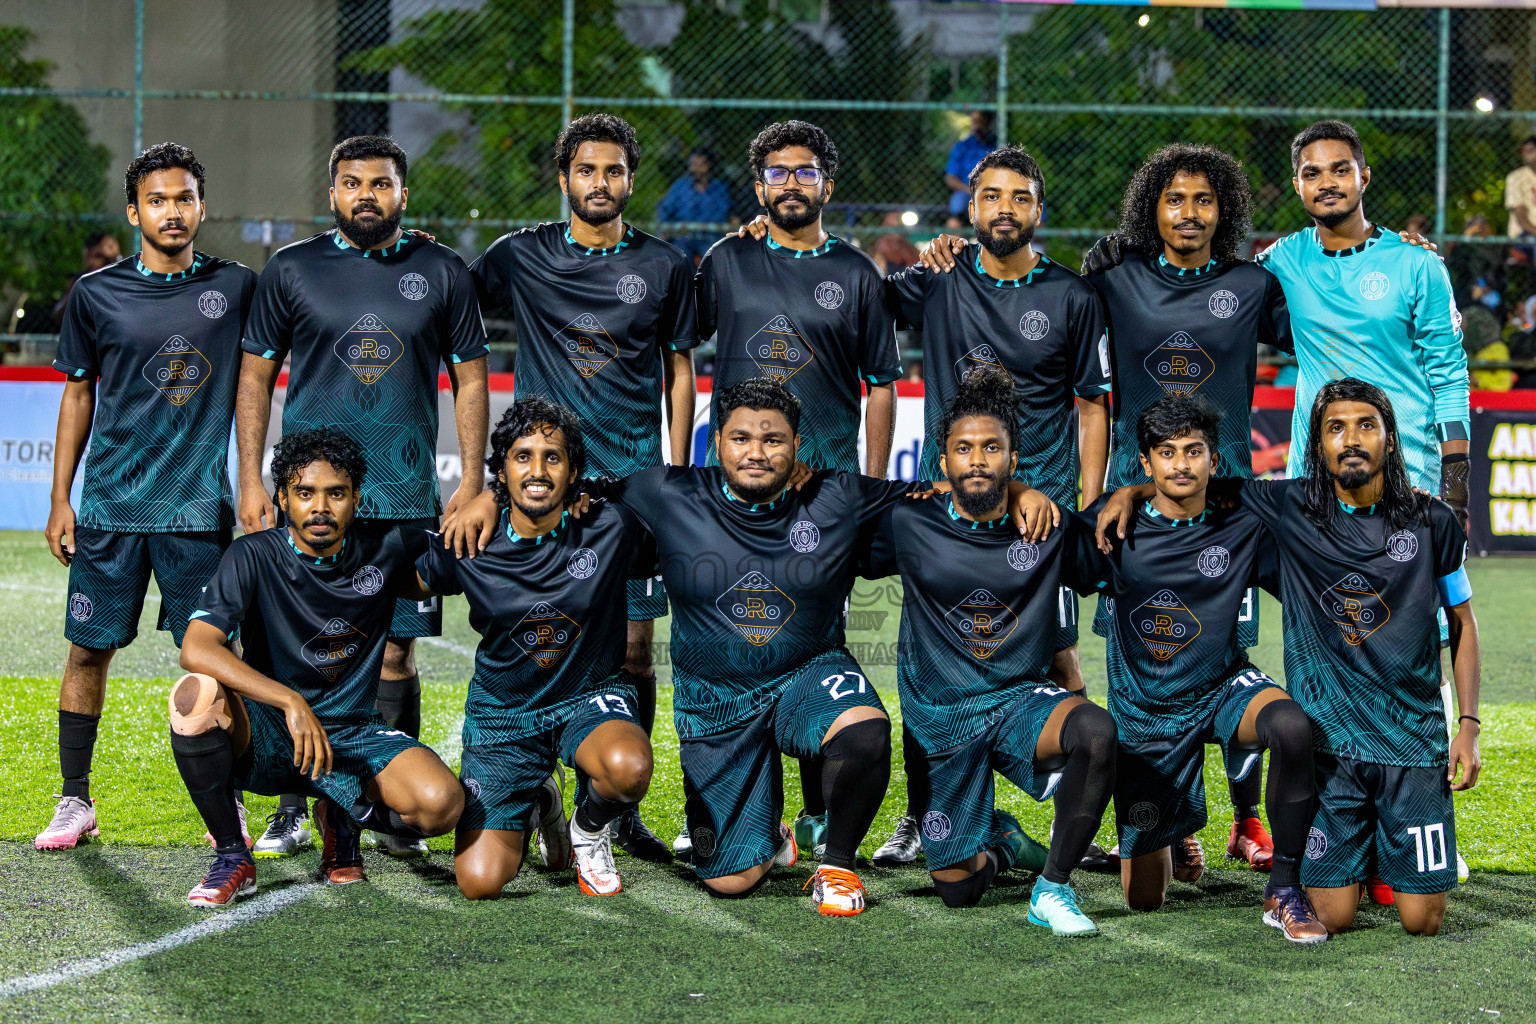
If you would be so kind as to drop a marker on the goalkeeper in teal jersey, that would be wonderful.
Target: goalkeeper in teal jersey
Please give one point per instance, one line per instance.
(1364, 303)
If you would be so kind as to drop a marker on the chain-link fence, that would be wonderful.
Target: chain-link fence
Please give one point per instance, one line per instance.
(476, 90)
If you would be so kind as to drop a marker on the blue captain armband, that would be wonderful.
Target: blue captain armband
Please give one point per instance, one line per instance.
(1454, 588)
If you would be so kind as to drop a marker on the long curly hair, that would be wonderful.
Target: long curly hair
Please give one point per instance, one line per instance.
(1234, 198)
(521, 419)
(983, 391)
(1401, 503)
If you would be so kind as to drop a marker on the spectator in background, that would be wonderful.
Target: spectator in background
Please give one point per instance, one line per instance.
(696, 198)
(101, 249)
(1520, 192)
(963, 158)
(892, 252)
(915, 371)
(1477, 270)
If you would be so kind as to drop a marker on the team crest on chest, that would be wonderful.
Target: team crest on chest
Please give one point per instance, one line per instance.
(804, 536)
(630, 289)
(1023, 555)
(778, 350)
(829, 295)
(545, 634)
(1356, 608)
(212, 304)
(1165, 624)
(177, 370)
(982, 622)
(1374, 285)
(1402, 546)
(756, 608)
(413, 287)
(334, 647)
(1034, 325)
(587, 344)
(1213, 561)
(368, 580)
(582, 564)
(1179, 364)
(1222, 304)
(369, 348)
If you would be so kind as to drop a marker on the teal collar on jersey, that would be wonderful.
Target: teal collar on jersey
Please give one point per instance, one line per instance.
(974, 524)
(756, 506)
(197, 264)
(1017, 282)
(1375, 236)
(311, 559)
(802, 254)
(515, 538)
(629, 236)
(388, 250)
(1155, 514)
(1357, 510)
(1162, 261)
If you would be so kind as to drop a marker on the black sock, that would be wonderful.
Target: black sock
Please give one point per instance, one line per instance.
(1087, 781)
(293, 802)
(968, 891)
(399, 701)
(596, 811)
(1247, 792)
(645, 692)
(911, 753)
(856, 768)
(207, 766)
(812, 771)
(380, 817)
(77, 739)
(1291, 801)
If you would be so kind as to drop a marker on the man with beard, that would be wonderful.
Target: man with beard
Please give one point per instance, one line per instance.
(977, 627)
(314, 599)
(1364, 562)
(365, 313)
(803, 308)
(1010, 307)
(547, 597)
(605, 324)
(758, 573)
(147, 346)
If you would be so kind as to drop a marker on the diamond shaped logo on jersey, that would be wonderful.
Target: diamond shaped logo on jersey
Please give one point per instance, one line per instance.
(369, 348)
(334, 647)
(1341, 351)
(545, 634)
(1179, 364)
(177, 370)
(756, 607)
(1357, 609)
(982, 622)
(1165, 624)
(778, 350)
(587, 344)
(981, 355)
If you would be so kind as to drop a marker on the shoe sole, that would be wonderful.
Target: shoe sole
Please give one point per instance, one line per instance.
(239, 894)
(1256, 863)
(59, 844)
(826, 911)
(350, 881)
(405, 854)
(276, 854)
(1274, 922)
(893, 862)
(582, 882)
(1056, 931)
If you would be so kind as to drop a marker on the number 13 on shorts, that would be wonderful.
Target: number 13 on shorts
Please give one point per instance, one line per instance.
(611, 702)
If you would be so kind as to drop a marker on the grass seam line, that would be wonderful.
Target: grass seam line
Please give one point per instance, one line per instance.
(262, 906)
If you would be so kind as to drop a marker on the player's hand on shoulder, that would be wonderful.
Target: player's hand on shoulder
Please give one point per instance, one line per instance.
(256, 512)
(462, 495)
(60, 531)
(580, 505)
(1033, 513)
(800, 475)
(940, 252)
(1414, 238)
(755, 229)
(468, 531)
(1105, 254)
(1115, 518)
(1465, 755)
(420, 234)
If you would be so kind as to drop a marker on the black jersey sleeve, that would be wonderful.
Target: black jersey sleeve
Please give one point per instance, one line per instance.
(876, 557)
(904, 292)
(639, 492)
(490, 272)
(1450, 555)
(1275, 323)
(1089, 334)
(464, 338)
(76, 356)
(879, 359)
(640, 540)
(230, 592)
(678, 330)
(1264, 498)
(1084, 567)
(269, 328)
(706, 295)
(439, 568)
(871, 496)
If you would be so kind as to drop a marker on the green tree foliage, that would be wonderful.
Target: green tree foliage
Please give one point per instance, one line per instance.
(48, 165)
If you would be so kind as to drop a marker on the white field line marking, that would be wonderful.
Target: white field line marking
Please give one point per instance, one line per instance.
(258, 908)
(451, 749)
(448, 645)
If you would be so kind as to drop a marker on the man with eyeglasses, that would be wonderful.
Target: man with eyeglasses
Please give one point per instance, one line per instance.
(805, 309)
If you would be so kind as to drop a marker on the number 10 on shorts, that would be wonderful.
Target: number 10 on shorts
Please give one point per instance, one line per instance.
(1429, 843)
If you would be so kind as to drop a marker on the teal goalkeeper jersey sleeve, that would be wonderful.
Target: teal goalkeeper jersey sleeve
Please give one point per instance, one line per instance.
(1381, 311)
